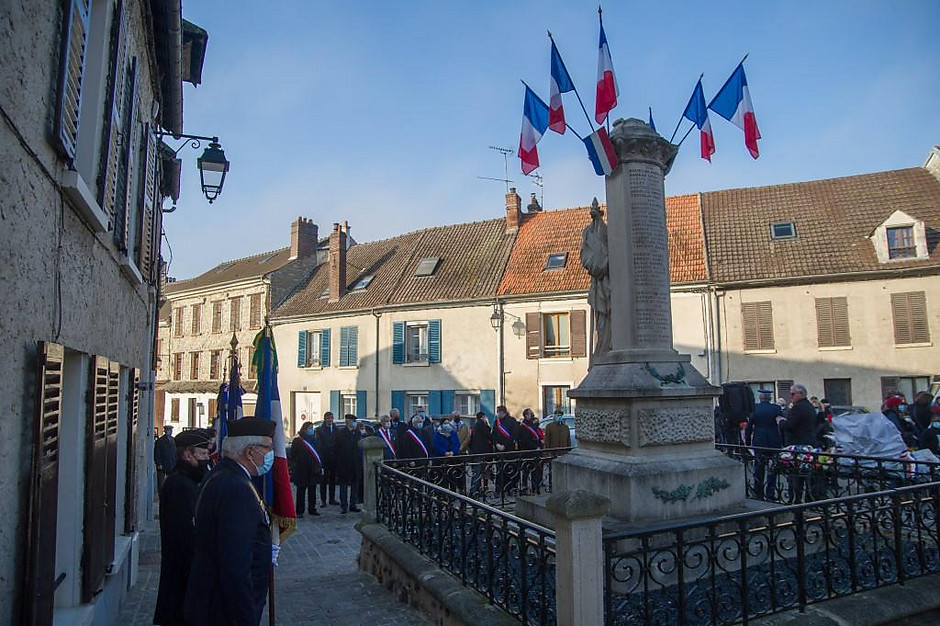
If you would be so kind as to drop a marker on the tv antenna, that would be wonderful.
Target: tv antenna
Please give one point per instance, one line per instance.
(505, 152)
(539, 182)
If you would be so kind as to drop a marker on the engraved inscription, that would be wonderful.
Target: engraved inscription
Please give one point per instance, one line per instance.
(661, 427)
(603, 426)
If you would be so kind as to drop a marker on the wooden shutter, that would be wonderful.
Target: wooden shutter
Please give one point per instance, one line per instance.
(235, 313)
(398, 402)
(352, 347)
(302, 348)
(783, 389)
(213, 408)
(398, 344)
(578, 333)
(434, 341)
(111, 137)
(254, 316)
(174, 409)
(125, 233)
(197, 319)
(44, 487)
(488, 402)
(325, 347)
(148, 181)
(336, 405)
(72, 75)
(909, 310)
(344, 346)
(890, 385)
(217, 316)
(832, 322)
(758, 324)
(362, 405)
(96, 467)
(130, 486)
(114, 412)
(533, 335)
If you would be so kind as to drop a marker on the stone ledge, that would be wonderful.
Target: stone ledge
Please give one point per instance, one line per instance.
(422, 584)
(868, 608)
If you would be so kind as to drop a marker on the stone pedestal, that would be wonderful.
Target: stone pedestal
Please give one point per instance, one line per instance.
(644, 414)
(373, 449)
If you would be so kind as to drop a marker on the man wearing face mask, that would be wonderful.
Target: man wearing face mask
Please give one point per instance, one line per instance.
(177, 534)
(557, 434)
(348, 466)
(412, 444)
(228, 581)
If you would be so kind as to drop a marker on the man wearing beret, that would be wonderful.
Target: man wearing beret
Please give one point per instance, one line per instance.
(177, 534)
(228, 582)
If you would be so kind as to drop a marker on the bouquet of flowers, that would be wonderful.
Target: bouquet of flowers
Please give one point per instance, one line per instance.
(797, 458)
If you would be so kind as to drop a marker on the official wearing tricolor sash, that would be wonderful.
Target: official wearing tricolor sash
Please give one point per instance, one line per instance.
(306, 468)
(388, 437)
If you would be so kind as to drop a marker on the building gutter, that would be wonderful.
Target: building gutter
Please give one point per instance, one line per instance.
(824, 278)
(168, 35)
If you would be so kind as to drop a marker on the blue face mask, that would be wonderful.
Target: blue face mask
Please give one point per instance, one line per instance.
(902, 408)
(560, 418)
(267, 464)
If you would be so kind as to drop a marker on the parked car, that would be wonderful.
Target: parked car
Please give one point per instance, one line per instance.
(848, 410)
(569, 422)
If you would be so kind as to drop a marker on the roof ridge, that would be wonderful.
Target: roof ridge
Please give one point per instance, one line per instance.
(815, 181)
(229, 262)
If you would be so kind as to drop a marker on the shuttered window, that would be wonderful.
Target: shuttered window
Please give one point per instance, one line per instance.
(174, 409)
(832, 322)
(217, 317)
(783, 389)
(235, 313)
(197, 319)
(72, 75)
(44, 487)
(254, 315)
(126, 217)
(533, 335)
(178, 366)
(215, 362)
(149, 237)
(111, 137)
(561, 334)
(349, 346)
(178, 322)
(194, 366)
(758, 323)
(96, 469)
(909, 310)
(130, 485)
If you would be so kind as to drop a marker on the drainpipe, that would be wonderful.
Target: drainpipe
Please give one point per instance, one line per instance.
(706, 325)
(716, 314)
(502, 353)
(377, 315)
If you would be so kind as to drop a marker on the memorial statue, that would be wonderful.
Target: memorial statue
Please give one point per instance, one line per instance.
(594, 259)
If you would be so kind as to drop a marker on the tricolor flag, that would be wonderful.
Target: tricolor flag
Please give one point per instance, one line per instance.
(601, 152)
(652, 125)
(733, 102)
(560, 83)
(607, 90)
(230, 404)
(534, 122)
(277, 491)
(697, 112)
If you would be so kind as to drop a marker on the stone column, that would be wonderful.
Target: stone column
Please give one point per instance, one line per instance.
(373, 449)
(579, 556)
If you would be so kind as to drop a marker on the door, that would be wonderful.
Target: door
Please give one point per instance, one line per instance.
(306, 408)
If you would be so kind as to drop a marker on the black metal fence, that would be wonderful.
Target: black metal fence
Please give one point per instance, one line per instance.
(794, 477)
(507, 559)
(495, 479)
(735, 568)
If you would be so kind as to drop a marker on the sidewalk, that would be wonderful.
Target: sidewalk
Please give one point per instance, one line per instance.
(317, 580)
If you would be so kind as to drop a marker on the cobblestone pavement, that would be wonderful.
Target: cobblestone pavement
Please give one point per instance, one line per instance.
(317, 580)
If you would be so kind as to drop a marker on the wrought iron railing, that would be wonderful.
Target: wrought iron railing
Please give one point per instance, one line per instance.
(791, 477)
(507, 559)
(735, 568)
(495, 479)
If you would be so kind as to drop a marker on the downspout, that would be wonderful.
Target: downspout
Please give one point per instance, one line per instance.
(706, 325)
(377, 315)
(502, 354)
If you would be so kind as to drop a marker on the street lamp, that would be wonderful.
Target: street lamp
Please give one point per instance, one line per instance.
(212, 165)
(496, 320)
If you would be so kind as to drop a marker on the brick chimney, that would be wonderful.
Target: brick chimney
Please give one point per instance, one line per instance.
(303, 238)
(513, 210)
(338, 261)
(534, 206)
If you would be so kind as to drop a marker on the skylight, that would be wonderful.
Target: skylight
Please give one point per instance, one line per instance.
(428, 266)
(363, 282)
(556, 260)
(783, 230)
(325, 293)
(267, 258)
(224, 266)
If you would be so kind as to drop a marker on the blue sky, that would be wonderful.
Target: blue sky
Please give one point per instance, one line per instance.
(381, 113)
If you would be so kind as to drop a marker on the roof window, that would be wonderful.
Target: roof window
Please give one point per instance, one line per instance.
(267, 258)
(325, 293)
(556, 260)
(224, 267)
(783, 230)
(363, 282)
(428, 266)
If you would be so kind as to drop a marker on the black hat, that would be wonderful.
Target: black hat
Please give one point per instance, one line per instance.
(251, 427)
(192, 439)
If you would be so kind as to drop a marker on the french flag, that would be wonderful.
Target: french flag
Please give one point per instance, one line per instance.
(733, 102)
(697, 112)
(560, 83)
(535, 116)
(607, 90)
(601, 152)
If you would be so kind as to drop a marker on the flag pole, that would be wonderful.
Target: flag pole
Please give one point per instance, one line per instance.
(682, 117)
(574, 88)
(685, 135)
(272, 610)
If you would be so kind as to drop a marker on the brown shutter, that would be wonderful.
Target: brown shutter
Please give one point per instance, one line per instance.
(96, 467)
(533, 335)
(197, 318)
(783, 388)
(174, 409)
(890, 385)
(840, 322)
(217, 316)
(114, 412)
(156, 239)
(578, 333)
(920, 331)
(765, 325)
(44, 487)
(72, 74)
(148, 173)
(255, 314)
(111, 137)
(130, 486)
(757, 320)
(125, 234)
(749, 324)
(901, 312)
(213, 409)
(824, 324)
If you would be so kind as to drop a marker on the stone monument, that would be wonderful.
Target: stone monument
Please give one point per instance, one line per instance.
(644, 414)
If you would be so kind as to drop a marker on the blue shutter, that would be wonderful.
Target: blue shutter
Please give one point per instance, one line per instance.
(325, 347)
(302, 349)
(398, 402)
(398, 344)
(434, 403)
(352, 345)
(488, 402)
(447, 402)
(361, 408)
(434, 341)
(335, 405)
(344, 346)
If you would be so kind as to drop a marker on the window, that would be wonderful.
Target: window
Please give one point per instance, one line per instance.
(756, 386)
(217, 317)
(556, 260)
(555, 397)
(348, 402)
(174, 409)
(901, 242)
(416, 342)
(467, 404)
(363, 282)
(313, 348)
(909, 310)
(349, 346)
(250, 363)
(197, 319)
(178, 366)
(783, 230)
(314, 339)
(193, 412)
(832, 322)
(178, 322)
(838, 391)
(414, 401)
(194, 366)
(428, 266)
(254, 315)
(235, 313)
(556, 335)
(908, 386)
(215, 363)
(758, 323)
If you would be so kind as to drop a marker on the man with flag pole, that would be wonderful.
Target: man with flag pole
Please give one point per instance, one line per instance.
(733, 102)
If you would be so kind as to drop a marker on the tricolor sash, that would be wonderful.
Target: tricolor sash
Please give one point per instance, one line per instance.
(312, 451)
(419, 442)
(383, 433)
(502, 429)
(535, 433)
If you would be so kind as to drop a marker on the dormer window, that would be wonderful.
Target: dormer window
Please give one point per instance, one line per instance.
(363, 282)
(901, 242)
(901, 237)
(556, 260)
(783, 230)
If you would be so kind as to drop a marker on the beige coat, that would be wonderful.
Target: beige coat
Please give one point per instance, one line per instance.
(557, 435)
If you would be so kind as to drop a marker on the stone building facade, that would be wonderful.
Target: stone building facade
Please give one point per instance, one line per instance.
(86, 88)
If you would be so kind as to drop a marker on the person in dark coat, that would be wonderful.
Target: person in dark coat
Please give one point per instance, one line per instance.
(930, 439)
(346, 455)
(446, 442)
(412, 443)
(228, 581)
(306, 467)
(762, 432)
(505, 438)
(397, 426)
(481, 443)
(530, 439)
(920, 410)
(895, 408)
(325, 436)
(177, 533)
(799, 429)
(388, 435)
(164, 455)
